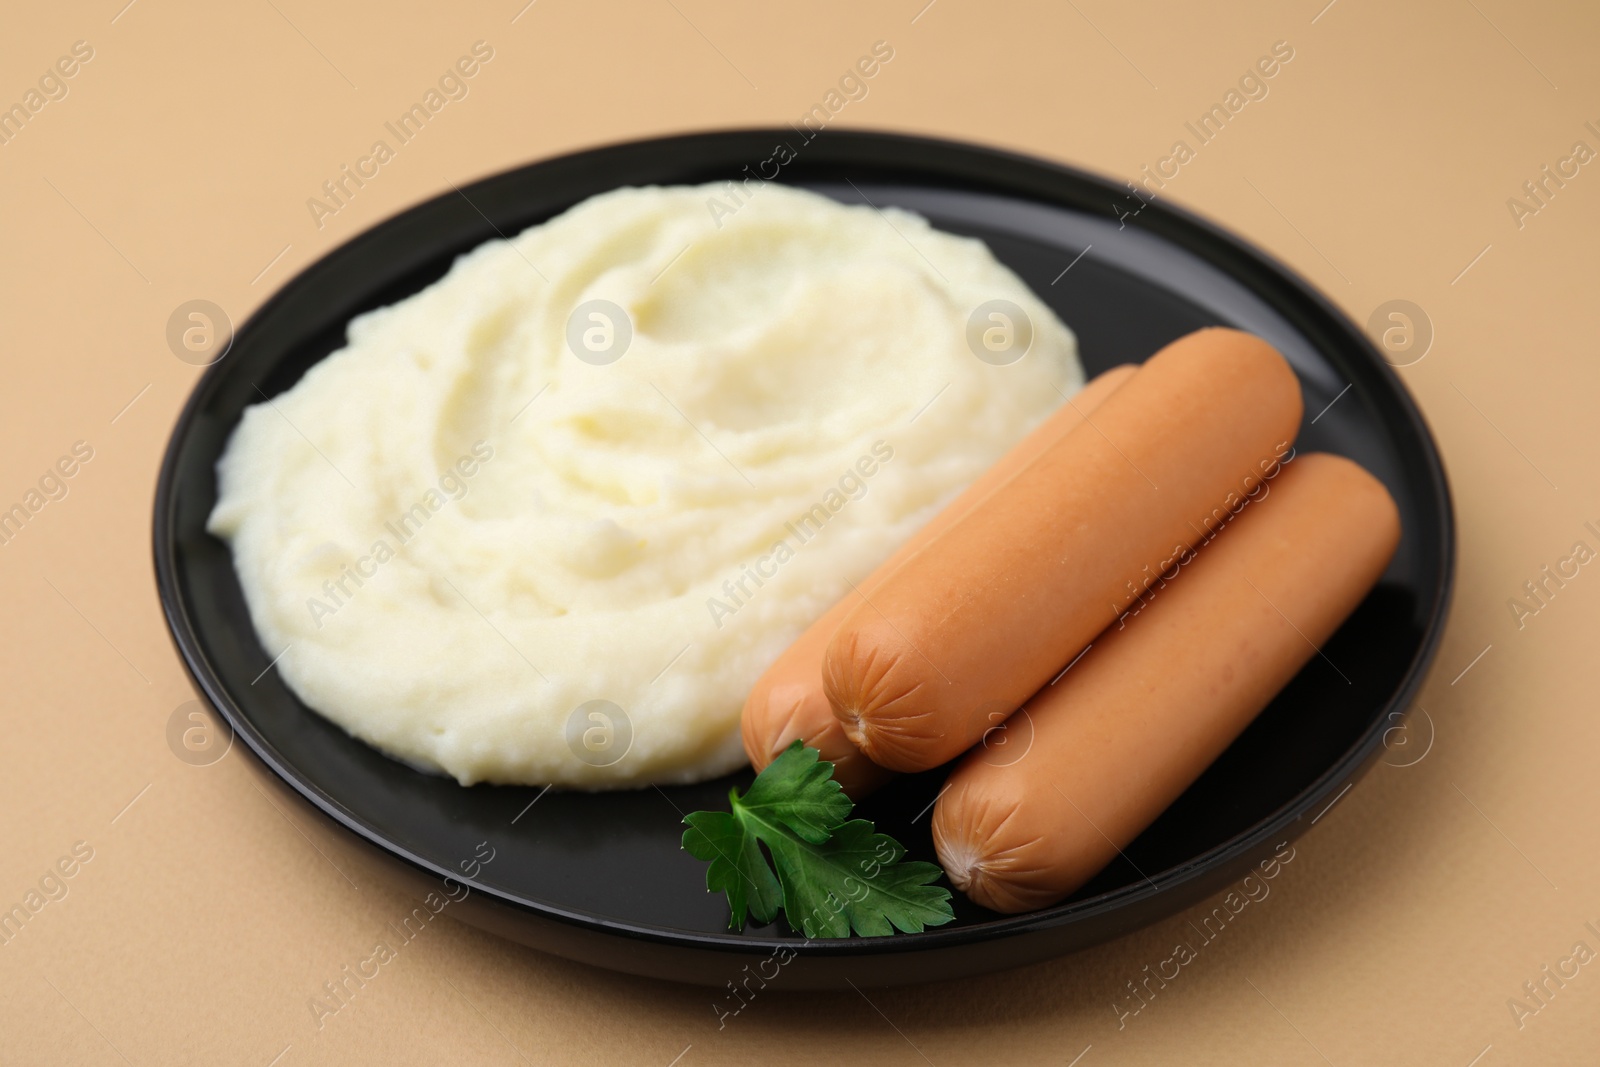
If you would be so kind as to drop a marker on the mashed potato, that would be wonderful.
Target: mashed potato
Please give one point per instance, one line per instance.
(547, 520)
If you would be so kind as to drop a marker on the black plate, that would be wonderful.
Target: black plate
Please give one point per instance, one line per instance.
(600, 878)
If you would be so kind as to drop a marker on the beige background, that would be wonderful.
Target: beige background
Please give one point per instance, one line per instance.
(1379, 165)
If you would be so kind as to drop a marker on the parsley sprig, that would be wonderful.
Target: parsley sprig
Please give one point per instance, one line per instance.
(829, 874)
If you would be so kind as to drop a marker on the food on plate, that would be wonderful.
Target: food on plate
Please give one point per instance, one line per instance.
(829, 874)
(788, 703)
(987, 612)
(548, 519)
(1155, 700)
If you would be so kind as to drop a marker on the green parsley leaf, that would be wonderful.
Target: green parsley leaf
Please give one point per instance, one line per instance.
(797, 791)
(834, 874)
(857, 881)
(737, 866)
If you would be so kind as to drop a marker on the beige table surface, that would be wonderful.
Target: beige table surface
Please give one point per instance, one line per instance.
(1380, 164)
